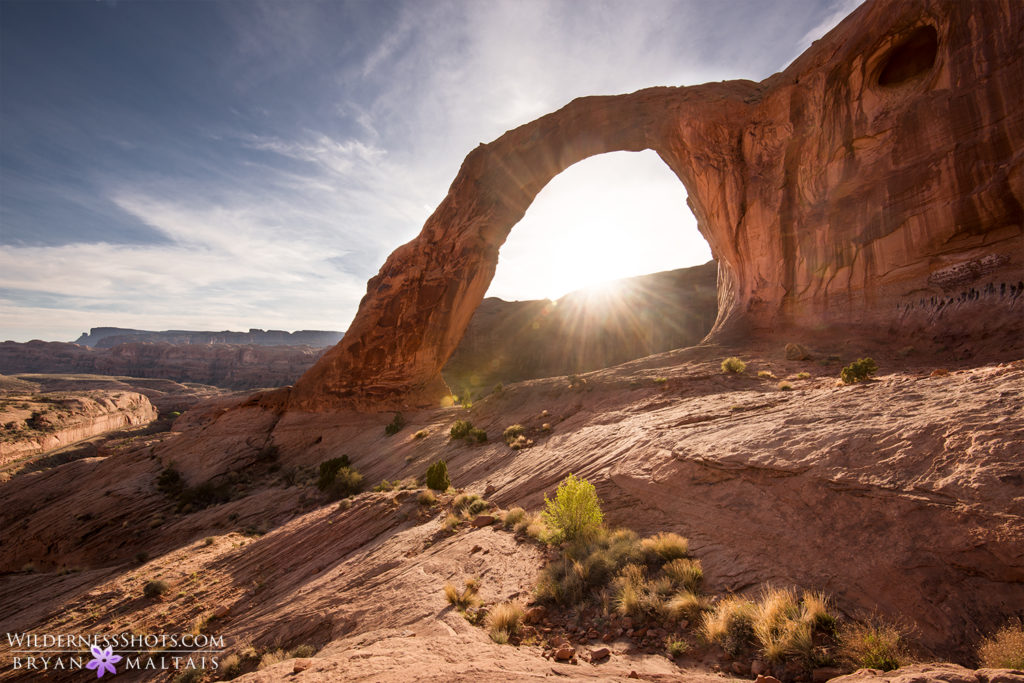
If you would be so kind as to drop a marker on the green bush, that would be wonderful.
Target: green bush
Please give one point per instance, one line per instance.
(461, 429)
(329, 470)
(512, 432)
(858, 371)
(477, 435)
(396, 425)
(874, 645)
(437, 476)
(347, 482)
(575, 513)
(338, 479)
(733, 366)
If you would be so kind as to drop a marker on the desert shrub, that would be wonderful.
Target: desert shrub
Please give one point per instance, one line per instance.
(674, 647)
(204, 495)
(329, 470)
(477, 435)
(421, 434)
(787, 627)
(155, 588)
(513, 517)
(785, 386)
(190, 676)
(858, 371)
(765, 374)
(463, 501)
(687, 604)
(141, 557)
(685, 573)
(451, 522)
(1005, 649)
(170, 481)
(575, 512)
(209, 540)
(271, 658)
(733, 366)
(873, 645)
(667, 546)
(304, 650)
(504, 620)
(338, 479)
(477, 507)
(396, 425)
(426, 498)
(730, 624)
(461, 429)
(512, 432)
(803, 375)
(437, 476)
(465, 598)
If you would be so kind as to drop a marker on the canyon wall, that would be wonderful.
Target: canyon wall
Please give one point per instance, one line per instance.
(873, 187)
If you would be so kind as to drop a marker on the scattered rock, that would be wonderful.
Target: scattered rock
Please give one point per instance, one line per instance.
(599, 654)
(301, 665)
(565, 652)
(766, 679)
(534, 615)
(221, 612)
(825, 673)
(483, 520)
(490, 490)
(633, 674)
(797, 352)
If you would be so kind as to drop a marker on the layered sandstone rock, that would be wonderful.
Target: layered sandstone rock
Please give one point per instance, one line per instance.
(874, 186)
(45, 422)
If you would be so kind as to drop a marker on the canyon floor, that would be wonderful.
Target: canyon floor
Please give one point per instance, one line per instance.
(901, 496)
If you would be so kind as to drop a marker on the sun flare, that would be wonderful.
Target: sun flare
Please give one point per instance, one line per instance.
(606, 218)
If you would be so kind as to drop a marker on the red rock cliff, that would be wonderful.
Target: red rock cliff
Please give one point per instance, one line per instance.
(875, 185)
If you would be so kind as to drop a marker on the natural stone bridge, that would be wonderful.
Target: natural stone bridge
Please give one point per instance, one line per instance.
(875, 183)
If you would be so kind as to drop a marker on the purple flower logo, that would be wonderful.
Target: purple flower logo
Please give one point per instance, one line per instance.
(103, 661)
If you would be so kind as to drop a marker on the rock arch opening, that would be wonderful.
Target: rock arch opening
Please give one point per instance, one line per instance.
(606, 266)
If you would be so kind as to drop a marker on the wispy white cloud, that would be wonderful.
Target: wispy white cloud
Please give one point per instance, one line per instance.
(282, 222)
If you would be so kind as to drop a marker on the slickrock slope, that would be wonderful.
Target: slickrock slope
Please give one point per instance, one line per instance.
(901, 495)
(37, 423)
(875, 183)
(512, 341)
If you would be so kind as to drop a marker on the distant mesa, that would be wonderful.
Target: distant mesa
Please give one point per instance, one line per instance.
(108, 337)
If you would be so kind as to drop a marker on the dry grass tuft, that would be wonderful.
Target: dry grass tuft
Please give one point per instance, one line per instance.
(504, 620)
(874, 645)
(1005, 649)
(731, 624)
(667, 546)
(685, 573)
(465, 598)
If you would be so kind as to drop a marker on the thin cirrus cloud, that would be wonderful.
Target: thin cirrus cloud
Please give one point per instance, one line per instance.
(229, 165)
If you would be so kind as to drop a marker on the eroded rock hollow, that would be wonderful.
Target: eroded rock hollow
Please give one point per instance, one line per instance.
(874, 185)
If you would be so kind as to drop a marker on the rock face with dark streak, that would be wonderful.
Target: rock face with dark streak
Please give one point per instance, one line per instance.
(510, 341)
(874, 186)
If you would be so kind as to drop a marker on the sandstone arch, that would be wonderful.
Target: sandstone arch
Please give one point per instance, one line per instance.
(830, 197)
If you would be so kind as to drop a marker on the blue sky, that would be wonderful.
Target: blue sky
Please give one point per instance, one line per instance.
(228, 164)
